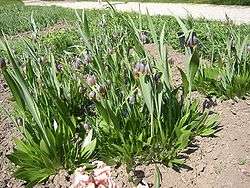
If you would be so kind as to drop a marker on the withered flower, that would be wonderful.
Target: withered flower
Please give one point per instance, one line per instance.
(157, 77)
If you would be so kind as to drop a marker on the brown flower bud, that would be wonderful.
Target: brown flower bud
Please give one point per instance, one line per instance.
(2, 63)
(101, 90)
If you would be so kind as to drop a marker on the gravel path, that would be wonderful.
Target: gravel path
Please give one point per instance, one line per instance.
(239, 14)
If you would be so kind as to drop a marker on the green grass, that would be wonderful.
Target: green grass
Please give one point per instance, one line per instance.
(10, 2)
(15, 19)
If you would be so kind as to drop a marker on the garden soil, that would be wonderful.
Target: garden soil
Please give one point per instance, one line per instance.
(222, 161)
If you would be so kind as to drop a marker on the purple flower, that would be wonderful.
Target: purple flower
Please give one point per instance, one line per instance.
(59, 67)
(192, 40)
(91, 80)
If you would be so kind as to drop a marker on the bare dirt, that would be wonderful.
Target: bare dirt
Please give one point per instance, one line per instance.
(222, 161)
(8, 132)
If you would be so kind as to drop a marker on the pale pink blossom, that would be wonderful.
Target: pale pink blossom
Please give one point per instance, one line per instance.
(100, 178)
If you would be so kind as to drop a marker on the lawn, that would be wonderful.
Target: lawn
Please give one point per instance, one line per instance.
(96, 94)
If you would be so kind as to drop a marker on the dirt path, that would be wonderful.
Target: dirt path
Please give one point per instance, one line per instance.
(239, 14)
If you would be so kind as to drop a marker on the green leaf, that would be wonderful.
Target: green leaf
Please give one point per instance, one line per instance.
(157, 175)
(147, 94)
(185, 82)
(183, 140)
(182, 25)
(88, 150)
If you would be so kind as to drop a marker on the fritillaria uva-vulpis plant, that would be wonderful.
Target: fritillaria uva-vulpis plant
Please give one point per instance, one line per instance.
(227, 76)
(46, 100)
(137, 115)
(141, 117)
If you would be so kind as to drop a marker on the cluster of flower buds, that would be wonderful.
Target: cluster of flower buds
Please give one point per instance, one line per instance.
(100, 178)
(2, 63)
(141, 68)
(144, 37)
(191, 40)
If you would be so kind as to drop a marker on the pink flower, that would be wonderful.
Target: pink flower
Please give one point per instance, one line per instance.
(101, 177)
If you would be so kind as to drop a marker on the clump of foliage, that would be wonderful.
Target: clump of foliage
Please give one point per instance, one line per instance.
(47, 109)
(109, 100)
(228, 75)
(142, 117)
(60, 41)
